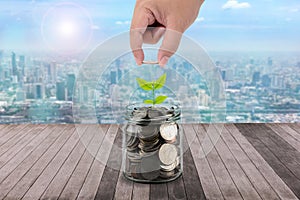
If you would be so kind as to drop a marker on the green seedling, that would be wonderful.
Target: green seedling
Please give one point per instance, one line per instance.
(153, 86)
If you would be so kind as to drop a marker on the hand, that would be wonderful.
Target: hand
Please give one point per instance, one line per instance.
(169, 18)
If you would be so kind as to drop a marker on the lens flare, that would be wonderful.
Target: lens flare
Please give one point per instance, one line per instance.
(67, 28)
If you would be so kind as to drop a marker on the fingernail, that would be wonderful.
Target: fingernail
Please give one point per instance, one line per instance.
(163, 61)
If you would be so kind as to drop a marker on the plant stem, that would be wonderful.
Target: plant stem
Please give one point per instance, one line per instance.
(153, 94)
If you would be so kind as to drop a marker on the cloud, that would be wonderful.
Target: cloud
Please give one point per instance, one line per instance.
(234, 4)
(293, 10)
(200, 19)
(288, 19)
(127, 22)
(95, 27)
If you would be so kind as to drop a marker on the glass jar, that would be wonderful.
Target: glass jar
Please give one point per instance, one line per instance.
(152, 143)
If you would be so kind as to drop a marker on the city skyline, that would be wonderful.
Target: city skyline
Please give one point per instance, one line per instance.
(258, 88)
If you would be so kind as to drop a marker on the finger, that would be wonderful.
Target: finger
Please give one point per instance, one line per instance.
(153, 34)
(136, 41)
(169, 46)
(141, 19)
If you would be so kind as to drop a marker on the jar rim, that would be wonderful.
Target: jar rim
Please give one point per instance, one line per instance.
(172, 107)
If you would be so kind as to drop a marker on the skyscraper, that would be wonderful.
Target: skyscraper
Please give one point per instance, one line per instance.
(70, 86)
(1, 73)
(266, 80)
(52, 72)
(113, 77)
(39, 91)
(255, 78)
(22, 64)
(60, 91)
(270, 61)
(14, 64)
(1, 56)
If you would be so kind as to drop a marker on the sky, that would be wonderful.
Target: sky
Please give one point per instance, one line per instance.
(222, 25)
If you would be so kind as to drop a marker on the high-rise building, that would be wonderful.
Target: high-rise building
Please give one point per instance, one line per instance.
(22, 64)
(113, 77)
(60, 91)
(277, 81)
(227, 74)
(1, 56)
(52, 72)
(70, 86)
(1, 73)
(270, 61)
(20, 95)
(39, 91)
(119, 74)
(14, 64)
(255, 78)
(266, 80)
(85, 93)
(29, 88)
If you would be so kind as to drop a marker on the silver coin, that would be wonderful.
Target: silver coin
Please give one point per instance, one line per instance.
(148, 131)
(150, 175)
(167, 174)
(167, 154)
(150, 163)
(150, 62)
(141, 113)
(154, 113)
(168, 168)
(168, 131)
(132, 147)
(132, 129)
(135, 171)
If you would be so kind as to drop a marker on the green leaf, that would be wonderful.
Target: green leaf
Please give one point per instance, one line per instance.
(148, 101)
(144, 84)
(160, 82)
(160, 99)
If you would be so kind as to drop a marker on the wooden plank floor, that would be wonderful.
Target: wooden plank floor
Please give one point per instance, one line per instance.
(245, 161)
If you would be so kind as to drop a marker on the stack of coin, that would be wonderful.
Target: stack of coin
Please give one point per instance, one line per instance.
(168, 155)
(152, 146)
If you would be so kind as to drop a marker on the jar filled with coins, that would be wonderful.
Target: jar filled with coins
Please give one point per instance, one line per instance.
(152, 149)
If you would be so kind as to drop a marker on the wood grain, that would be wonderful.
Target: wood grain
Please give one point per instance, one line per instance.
(245, 161)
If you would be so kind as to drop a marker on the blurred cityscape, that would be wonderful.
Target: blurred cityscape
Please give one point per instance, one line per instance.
(259, 87)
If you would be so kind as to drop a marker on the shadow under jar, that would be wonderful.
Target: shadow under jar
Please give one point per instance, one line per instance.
(152, 143)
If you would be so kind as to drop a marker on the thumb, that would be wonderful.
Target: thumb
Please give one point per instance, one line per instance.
(169, 46)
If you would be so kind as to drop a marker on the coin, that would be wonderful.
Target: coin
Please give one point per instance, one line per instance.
(135, 171)
(154, 113)
(166, 174)
(148, 131)
(151, 175)
(133, 129)
(140, 113)
(167, 154)
(150, 162)
(132, 144)
(134, 156)
(168, 167)
(150, 147)
(150, 62)
(168, 131)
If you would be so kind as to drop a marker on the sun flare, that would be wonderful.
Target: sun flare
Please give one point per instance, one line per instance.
(67, 28)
